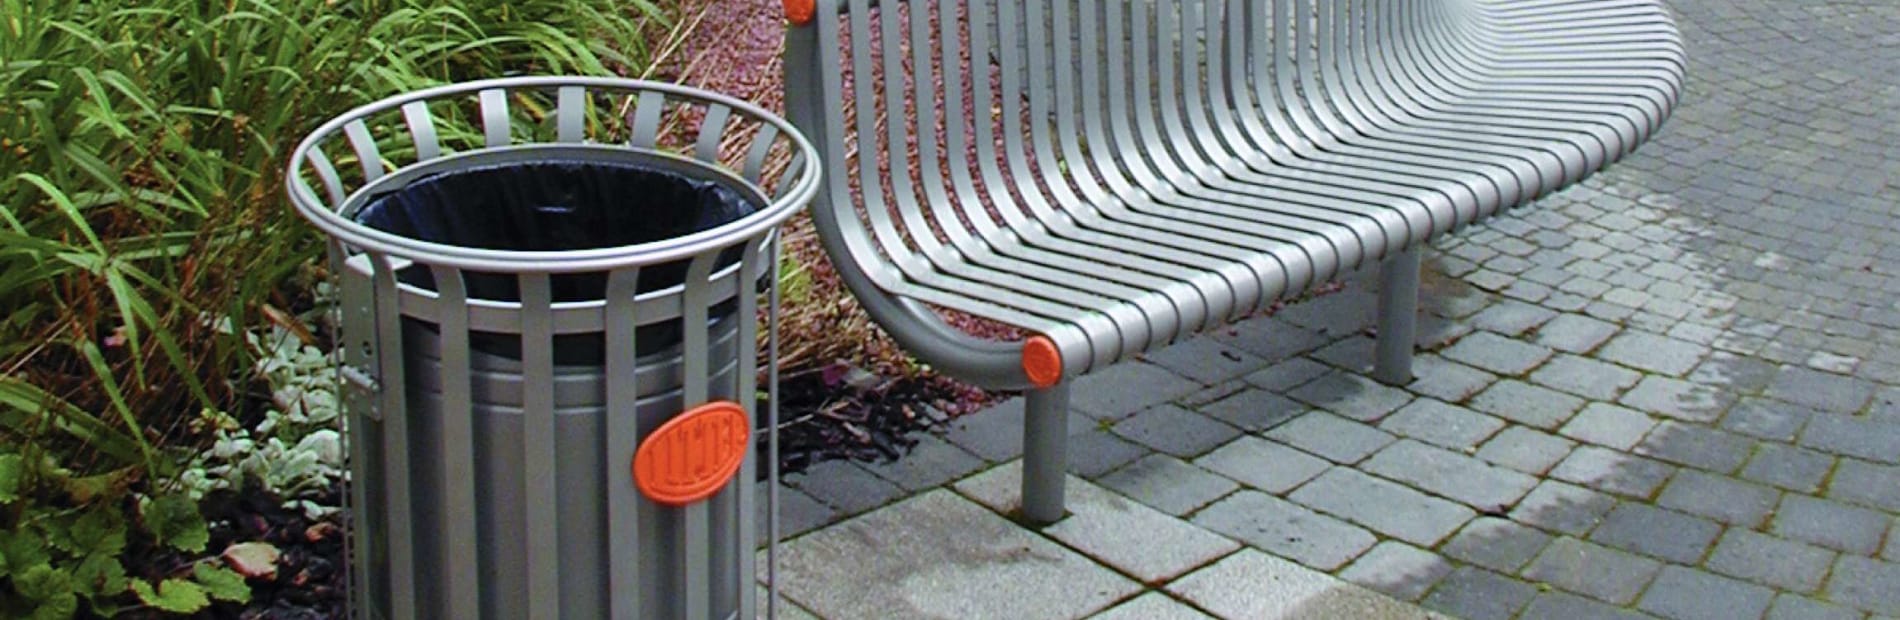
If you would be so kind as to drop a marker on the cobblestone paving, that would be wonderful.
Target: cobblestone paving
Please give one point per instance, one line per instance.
(1673, 390)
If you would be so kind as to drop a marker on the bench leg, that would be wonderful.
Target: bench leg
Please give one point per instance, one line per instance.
(1398, 317)
(1045, 453)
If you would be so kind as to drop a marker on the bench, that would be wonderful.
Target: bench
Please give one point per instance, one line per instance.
(1111, 176)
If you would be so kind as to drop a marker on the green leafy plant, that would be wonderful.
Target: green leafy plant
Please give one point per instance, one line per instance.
(144, 242)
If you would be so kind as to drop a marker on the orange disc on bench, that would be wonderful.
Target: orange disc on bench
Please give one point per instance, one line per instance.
(694, 455)
(800, 12)
(1042, 361)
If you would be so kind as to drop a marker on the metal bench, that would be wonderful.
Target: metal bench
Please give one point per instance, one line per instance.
(1138, 171)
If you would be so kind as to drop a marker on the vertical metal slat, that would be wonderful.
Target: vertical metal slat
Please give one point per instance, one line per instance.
(395, 437)
(462, 557)
(623, 439)
(696, 532)
(746, 349)
(540, 452)
(422, 130)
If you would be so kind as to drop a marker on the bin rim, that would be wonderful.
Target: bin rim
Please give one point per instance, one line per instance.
(304, 199)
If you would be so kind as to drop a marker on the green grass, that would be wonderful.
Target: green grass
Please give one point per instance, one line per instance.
(142, 221)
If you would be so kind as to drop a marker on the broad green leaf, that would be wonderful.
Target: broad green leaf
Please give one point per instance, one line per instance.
(175, 521)
(23, 548)
(59, 607)
(99, 575)
(12, 473)
(42, 582)
(222, 583)
(100, 531)
(173, 595)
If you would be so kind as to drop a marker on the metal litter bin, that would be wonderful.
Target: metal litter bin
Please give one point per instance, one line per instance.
(548, 293)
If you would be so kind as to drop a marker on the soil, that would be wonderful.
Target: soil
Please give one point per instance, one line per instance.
(311, 580)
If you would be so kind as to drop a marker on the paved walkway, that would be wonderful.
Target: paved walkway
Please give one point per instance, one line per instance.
(1670, 391)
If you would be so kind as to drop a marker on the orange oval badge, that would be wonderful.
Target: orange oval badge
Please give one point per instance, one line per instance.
(694, 455)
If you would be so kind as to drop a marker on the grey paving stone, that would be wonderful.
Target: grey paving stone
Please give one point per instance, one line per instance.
(1524, 403)
(1383, 506)
(1097, 452)
(1696, 445)
(1398, 570)
(797, 512)
(1262, 464)
(1866, 484)
(1498, 544)
(1270, 338)
(1571, 607)
(1450, 474)
(1526, 450)
(1653, 353)
(932, 462)
(1353, 354)
(1250, 584)
(1688, 594)
(1734, 373)
(1476, 594)
(1766, 419)
(1336, 438)
(1866, 584)
(845, 486)
(1343, 312)
(1675, 398)
(1829, 524)
(1865, 439)
(1511, 318)
(1612, 471)
(1447, 380)
(1793, 607)
(1351, 395)
(1585, 377)
(1821, 390)
(1114, 392)
(1176, 431)
(1205, 360)
(1575, 333)
(1609, 426)
(1657, 533)
(996, 433)
(1592, 570)
(1099, 523)
(939, 555)
(1286, 529)
(1168, 484)
(1721, 498)
(1253, 410)
(1497, 354)
(1433, 421)
(1788, 467)
(1770, 561)
(1152, 606)
(1892, 553)
(1287, 375)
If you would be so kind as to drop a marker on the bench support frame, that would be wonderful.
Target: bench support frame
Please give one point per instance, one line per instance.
(1398, 317)
(1045, 453)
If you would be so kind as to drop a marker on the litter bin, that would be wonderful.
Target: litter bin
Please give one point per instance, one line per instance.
(548, 291)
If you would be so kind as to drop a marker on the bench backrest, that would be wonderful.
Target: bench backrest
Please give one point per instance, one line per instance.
(998, 112)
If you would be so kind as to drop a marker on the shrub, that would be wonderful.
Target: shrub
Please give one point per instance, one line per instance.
(143, 235)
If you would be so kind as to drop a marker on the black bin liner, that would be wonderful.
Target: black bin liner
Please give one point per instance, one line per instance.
(558, 206)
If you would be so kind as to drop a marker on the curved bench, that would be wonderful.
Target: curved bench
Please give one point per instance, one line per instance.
(1141, 171)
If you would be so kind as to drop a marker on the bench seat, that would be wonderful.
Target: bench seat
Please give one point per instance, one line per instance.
(1113, 176)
